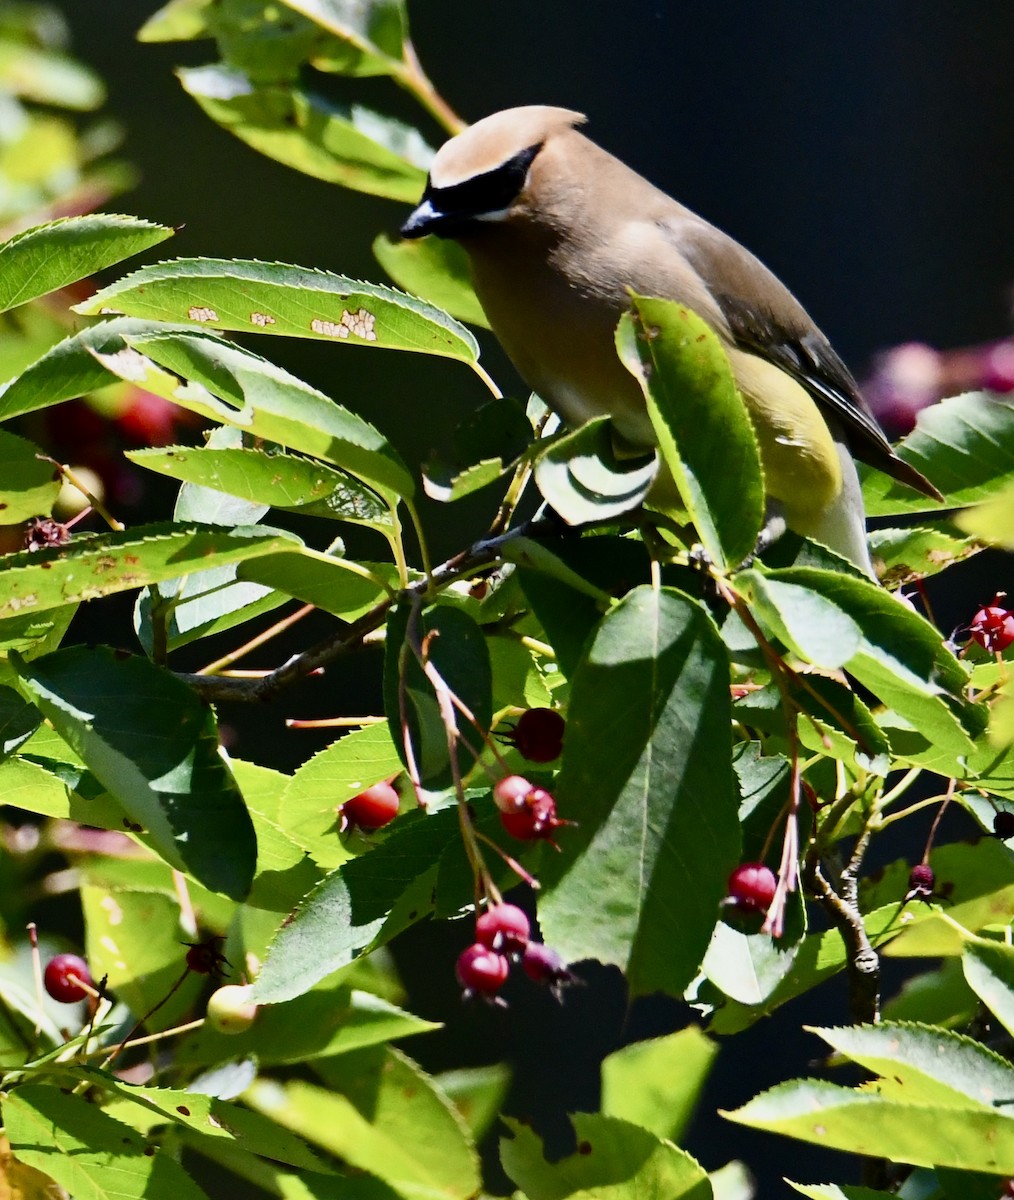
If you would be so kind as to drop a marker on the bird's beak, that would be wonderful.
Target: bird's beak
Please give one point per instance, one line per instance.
(425, 219)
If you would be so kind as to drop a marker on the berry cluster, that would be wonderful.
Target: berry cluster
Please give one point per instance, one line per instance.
(502, 935)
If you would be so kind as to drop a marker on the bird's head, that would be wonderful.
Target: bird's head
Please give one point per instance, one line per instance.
(479, 176)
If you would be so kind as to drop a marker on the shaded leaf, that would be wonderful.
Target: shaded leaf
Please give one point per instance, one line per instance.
(165, 772)
(647, 779)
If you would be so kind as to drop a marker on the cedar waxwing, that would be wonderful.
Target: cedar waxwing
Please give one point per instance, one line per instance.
(557, 230)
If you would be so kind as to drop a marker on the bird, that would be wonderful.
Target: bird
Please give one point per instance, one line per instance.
(558, 232)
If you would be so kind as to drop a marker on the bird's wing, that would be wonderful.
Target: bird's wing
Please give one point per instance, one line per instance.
(765, 318)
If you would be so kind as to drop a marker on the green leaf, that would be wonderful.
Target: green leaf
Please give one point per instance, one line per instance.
(274, 298)
(485, 444)
(964, 444)
(176, 21)
(903, 556)
(343, 915)
(614, 1159)
(748, 967)
(158, 756)
(70, 368)
(48, 257)
(656, 1083)
(703, 430)
(457, 650)
(434, 268)
(833, 620)
(102, 564)
(979, 881)
(646, 778)
(45, 76)
(336, 585)
(973, 1137)
(210, 1117)
(278, 480)
(231, 385)
(382, 1115)
(477, 1093)
(312, 797)
(992, 520)
(570, 583)
(583, 478)
(926, 1065)
(820, 956)
(326, 1021)
(344, 144)
(86, 1151)
(28, 485)
(375, 29)
(989, 970)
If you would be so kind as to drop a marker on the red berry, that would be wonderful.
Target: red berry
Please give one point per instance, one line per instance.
(993, 627)
(752, 887)
(480, 969)
(1003, 824)
(63, 977)
(921, 881)
(544, 965)
(535, 819)
(373, 808)
(150, 420)
(538, 734)
(510, 793)
(206, 958)
(503, 928)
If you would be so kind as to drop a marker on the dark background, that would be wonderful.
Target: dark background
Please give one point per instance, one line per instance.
(864, 151)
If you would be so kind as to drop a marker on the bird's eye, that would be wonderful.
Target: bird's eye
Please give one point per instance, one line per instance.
(492, 192)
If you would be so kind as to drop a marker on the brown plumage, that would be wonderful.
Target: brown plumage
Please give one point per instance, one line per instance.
(557, 230)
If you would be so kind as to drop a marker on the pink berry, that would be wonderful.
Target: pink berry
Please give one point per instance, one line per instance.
(480, 969)
(998, 368)
(992, 627)
(752, 887)
(538, 734)
(510, 793)
(373, 808)
(63, 977)
(544, 965)
(503, 928)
